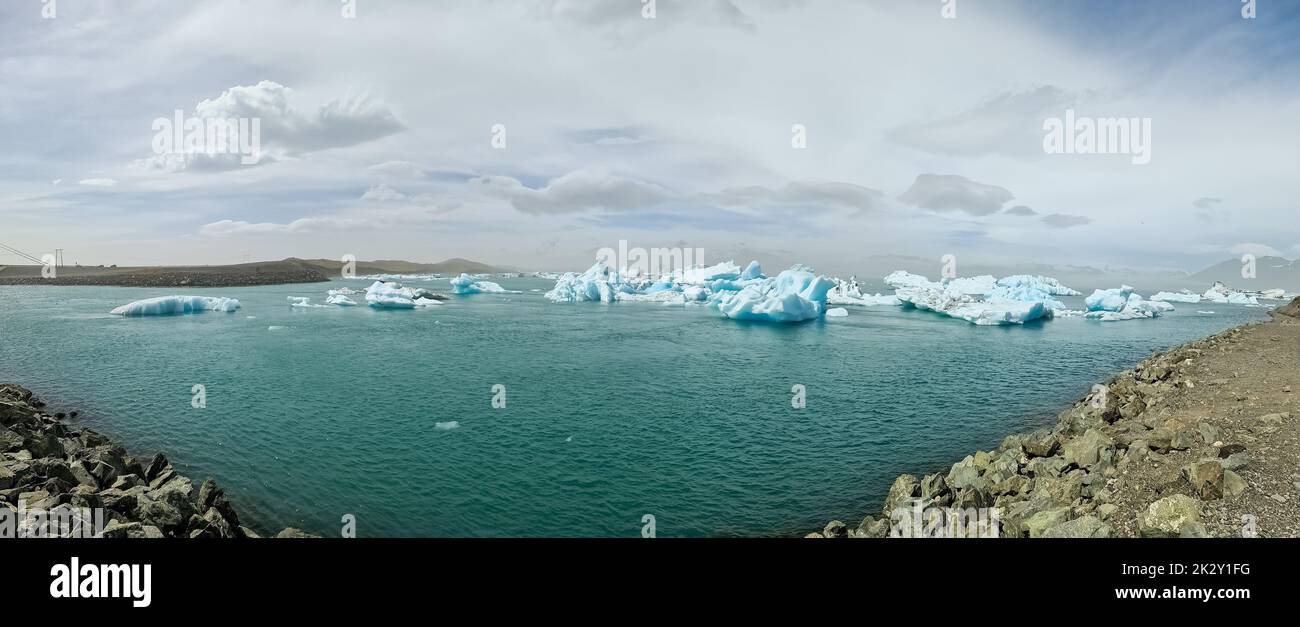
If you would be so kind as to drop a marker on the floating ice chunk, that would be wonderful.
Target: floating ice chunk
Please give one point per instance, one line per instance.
(850, 293)
(447, 426)
(972, 309)
(838, 312)
(382, 295)
(1273, 294)
(1122, 304)
(170, 305)
(345, 291)
(465, 284)
(794, 295)
(704, 275)
(1045, 284)
(1176, 297)
(1109, 300)
(341, 300)
(303, 302)
(752, 271)
(900, 279)
(975, 286)
(598, 283)
(1222, 294)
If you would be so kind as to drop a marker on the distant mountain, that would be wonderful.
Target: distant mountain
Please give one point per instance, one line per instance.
(393, 266)
(1270, 272)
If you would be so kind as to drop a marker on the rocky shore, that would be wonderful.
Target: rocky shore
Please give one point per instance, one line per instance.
(1199, 441)
(64, 472)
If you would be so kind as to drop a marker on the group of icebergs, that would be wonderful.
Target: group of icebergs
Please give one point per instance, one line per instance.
(1122, 304)
(1221, 294)
(794, 295)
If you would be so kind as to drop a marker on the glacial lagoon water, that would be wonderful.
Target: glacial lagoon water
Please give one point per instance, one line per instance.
(613, 411)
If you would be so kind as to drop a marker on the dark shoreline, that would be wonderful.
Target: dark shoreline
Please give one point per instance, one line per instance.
(289, 271)
(49, 466)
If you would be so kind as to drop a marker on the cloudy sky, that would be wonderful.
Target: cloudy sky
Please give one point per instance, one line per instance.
(533, 132)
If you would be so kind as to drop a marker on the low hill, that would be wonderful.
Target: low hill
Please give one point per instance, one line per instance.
(390, 266)
(257, 273)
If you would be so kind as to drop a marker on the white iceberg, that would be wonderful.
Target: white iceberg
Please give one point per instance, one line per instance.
(598, 283)
(465, 284)
(171, 305)
(303, 302)
(752, 271)
(794, 295)
(1222, 294)
(975, 286)
(382, 295)
(972, 309)
(1176, 297)
(341, 300)
(850, 293)
(838, 312)
(1045, 284)
(900, 279)
(1111, 305)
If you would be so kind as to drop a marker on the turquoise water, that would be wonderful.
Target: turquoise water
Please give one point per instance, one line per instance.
(612, 411)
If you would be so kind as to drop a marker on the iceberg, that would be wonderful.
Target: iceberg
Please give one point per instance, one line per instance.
(598, 283)
(838, 312)
(465, 284)
(341, 300)
(850, 293)
(1222, 294)
(1176, 297)
(752, 271)
(900, 279)
(382, 295)
(1121, 303)
(795, 295)
(977, 311)
(975, 286)
(1109, 300)
(171, 305)
(1045, 284)
(983, 300)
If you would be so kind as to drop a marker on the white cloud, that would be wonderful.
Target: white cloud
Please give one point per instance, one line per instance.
(582, 190)
(96, 182)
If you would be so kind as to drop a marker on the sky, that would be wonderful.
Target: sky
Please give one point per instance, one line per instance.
(531, 133)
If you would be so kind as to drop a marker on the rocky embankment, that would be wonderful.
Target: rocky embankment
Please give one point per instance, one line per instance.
(48, 466)
(1201, 440)
(243, 275)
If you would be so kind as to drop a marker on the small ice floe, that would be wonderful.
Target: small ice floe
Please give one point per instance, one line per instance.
(250, 317)
(274, 328)
(568, 439)
(303, 302)
(465, 284)
(171, 305)
(447, 426)
(1205, 312)
(838, 312)
(341, 300)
